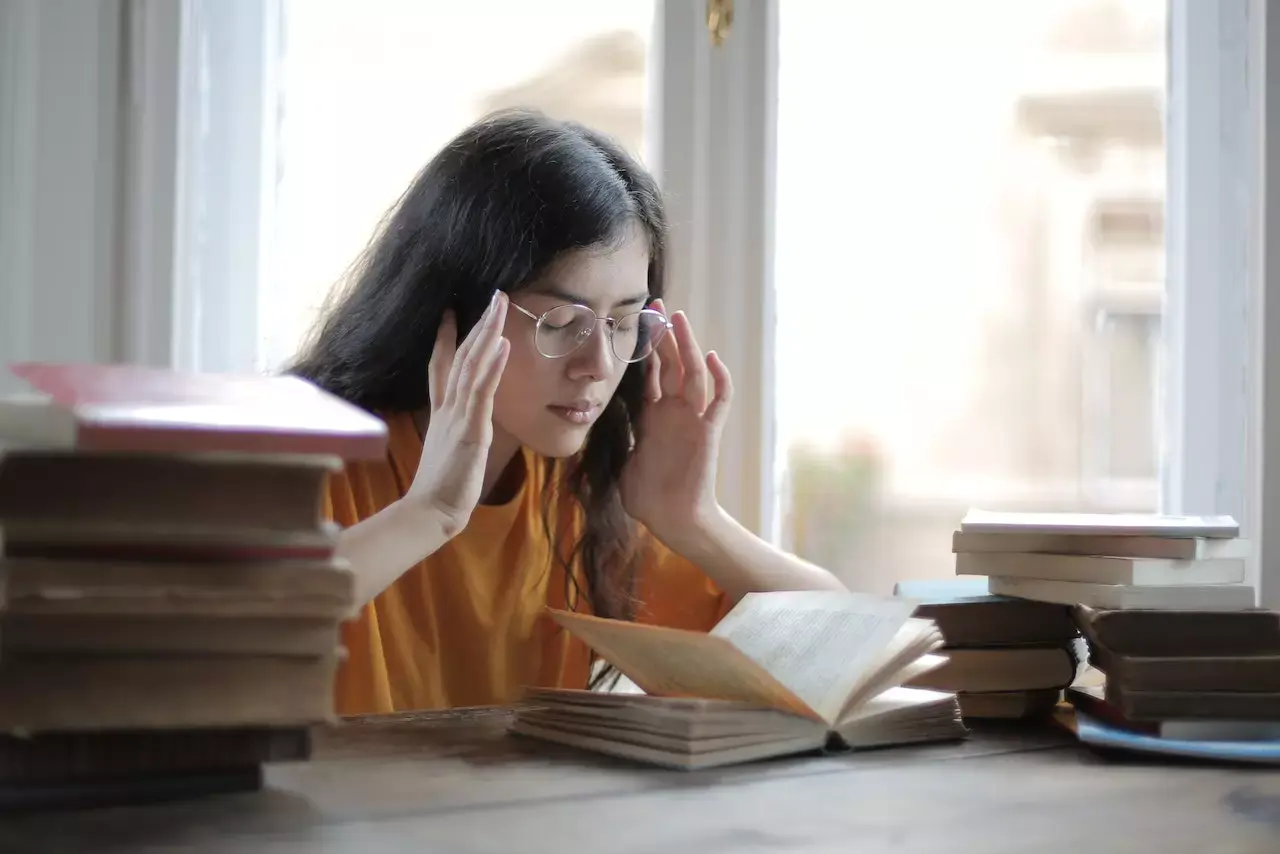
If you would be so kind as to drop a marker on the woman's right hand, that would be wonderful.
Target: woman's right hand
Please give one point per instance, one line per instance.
(462, 383)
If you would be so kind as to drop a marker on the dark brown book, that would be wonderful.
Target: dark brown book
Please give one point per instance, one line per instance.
(969, 616)
(143, 789)
(162, 634)
(104, 490)
(54, 693)
(76, 756)
(1092, 701)
(983, 669)
(304, 589)
(1247, 673)
(1192, 705)
(1158, 633)
(1008, 705)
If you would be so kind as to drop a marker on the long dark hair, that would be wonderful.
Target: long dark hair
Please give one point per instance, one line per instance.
(491, 211)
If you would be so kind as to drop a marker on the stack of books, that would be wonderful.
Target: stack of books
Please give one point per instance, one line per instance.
(1108, 561)
(1006, 657)
(1188, 675)
(1180, 658)
(172, 600)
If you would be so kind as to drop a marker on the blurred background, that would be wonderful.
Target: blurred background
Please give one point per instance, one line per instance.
(969, 264)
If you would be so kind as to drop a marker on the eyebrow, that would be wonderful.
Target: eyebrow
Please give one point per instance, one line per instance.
(638, 299)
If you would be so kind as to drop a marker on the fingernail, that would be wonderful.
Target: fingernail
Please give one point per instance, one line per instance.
(494, 299)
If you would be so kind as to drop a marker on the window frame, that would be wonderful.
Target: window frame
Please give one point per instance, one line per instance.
(61, 136)
(1222, 390)
(224, 166)
(714, 152)
(1263, 438)
(1222, 369)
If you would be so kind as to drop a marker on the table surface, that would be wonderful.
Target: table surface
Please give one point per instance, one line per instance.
(457, 782)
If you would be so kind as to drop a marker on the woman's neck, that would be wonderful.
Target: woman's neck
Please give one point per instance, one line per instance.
(504, 472)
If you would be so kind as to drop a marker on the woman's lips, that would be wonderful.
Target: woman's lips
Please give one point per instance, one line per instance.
(577, 412)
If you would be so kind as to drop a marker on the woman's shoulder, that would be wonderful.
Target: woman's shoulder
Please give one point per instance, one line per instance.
(361, 488)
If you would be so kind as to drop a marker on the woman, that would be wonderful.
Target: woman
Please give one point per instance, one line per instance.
(552, 434)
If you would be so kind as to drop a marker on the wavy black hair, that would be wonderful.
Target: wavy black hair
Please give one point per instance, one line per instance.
(502, 201)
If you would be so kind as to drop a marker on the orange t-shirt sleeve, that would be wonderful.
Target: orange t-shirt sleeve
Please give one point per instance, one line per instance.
(675, 593)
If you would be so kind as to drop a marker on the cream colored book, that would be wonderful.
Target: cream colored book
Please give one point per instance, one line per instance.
(1136, 571)
(1125, 597)
(977, 520)
(1119, 545)
(783, 673)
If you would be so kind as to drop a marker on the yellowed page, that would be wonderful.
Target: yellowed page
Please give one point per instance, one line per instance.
(676, 663)
(821, 645)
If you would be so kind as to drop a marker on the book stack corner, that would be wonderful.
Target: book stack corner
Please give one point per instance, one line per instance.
(172, 599)
(1180, 657)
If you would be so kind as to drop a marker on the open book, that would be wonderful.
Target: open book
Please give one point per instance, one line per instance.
(782, 673)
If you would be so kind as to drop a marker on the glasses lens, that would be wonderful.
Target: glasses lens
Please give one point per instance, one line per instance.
(636, 335)
(564, 329)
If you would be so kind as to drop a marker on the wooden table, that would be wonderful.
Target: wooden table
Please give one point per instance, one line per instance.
(457, 783)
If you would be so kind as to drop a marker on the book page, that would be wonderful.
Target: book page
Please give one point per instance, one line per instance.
(820, 644)
(677, 663)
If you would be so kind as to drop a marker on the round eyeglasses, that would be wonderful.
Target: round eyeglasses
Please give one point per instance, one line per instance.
(565, 328)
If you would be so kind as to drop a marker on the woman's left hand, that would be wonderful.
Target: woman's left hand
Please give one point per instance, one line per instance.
(669, 484)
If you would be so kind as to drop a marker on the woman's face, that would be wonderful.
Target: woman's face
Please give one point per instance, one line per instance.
(549, 404)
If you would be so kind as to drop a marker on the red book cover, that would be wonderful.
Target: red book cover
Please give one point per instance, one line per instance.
(131, 408)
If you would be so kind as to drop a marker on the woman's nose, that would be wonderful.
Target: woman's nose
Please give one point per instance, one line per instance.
(594, 358)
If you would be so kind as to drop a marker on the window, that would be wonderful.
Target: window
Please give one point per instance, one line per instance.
(367, 96)
(1123, 303)
(969, 271)
(990, 286)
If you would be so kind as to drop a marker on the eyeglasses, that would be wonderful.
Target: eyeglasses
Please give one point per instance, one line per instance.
(565, 328)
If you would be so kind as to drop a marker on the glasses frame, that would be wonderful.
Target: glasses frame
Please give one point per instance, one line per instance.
(609, 322)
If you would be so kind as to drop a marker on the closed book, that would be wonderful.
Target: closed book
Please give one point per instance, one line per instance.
(968, 614)
(1176, 633)
(1245, 673)
(1120, 597)
(1008, 705)
(91, 693)
(1099, 524)
(1096, 569)
(123, 408)
(1108, 545)
(1001, 669)
(223, 493)
(65, 757)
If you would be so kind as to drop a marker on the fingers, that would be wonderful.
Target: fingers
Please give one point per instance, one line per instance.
(719, 408)
(489, 374)
(691, 361)
(670, 374)
(652, 386)
(679, 366)
(480, 343)
(442, 355)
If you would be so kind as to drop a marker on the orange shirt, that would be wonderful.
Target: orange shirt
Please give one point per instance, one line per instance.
(467, 625)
